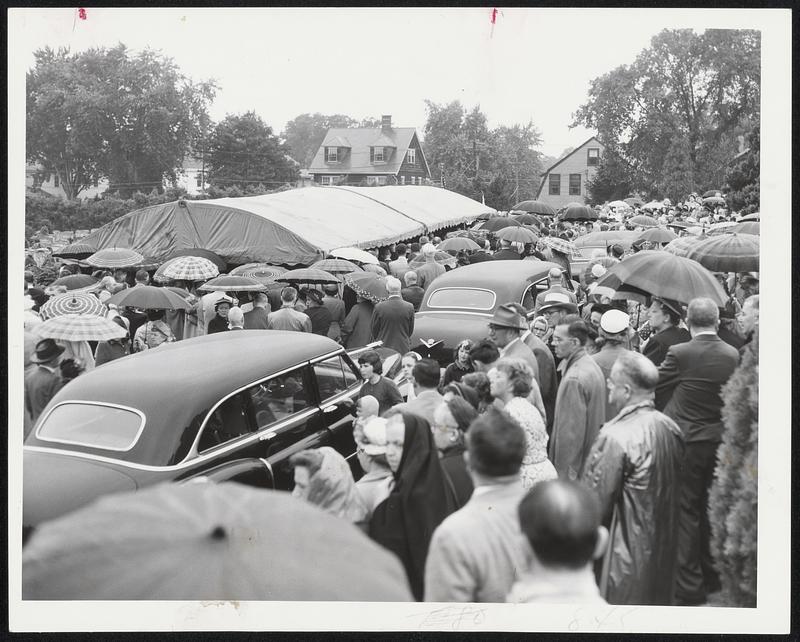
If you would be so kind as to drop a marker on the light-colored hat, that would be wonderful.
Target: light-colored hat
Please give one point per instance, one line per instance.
(614, 322)
(507, 317)
(375, 436)
(429, 248)
(558, 300)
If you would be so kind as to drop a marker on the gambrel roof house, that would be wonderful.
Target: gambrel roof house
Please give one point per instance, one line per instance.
(565, 180)
(370, 156)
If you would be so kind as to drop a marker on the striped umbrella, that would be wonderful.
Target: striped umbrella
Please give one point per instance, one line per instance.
(561, 245)
(233, 283)
(77, 250)
(681, 245)
(115, 258)
(190, 268)
(642, 221)
(457, 243)
(80, 327)
(158, 275)
(517, 234)
(215, 258)
(750, 227)
(727, 253)
(72, 303)
(261, 272)
(336, 266)
(442, 258)
(307, 275)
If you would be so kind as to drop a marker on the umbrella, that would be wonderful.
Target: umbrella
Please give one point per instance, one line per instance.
(498, 223)
(619, 205)
(593, 272)
(80, 327)
(307, 275)
(561, 245)
(750, 227)
(634, 200)
(113, 258)
(442, 258)
(527, 219)
(262, 272)
(72, 303)
(206, 541)
(215, 258)
(681, 245)
(457, 243)
(714, 200)
(755, 216)
(727, 253)
(149, 297)
(712, 192)
(720, 228)
(77, 283)
(77, 250)
(657, 235)
(579, 212)
(653, 205)
(232, 283)
(535, 207)
(354, 254)
(336, 266)
(376, 269)
(368, 285)
(642, 221)
(665, 275)
(518, 234)
(179, 291)
(190, 268)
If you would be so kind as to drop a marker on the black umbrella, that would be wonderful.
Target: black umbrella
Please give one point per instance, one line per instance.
(495, 224)
(534, 207)
(578, 212)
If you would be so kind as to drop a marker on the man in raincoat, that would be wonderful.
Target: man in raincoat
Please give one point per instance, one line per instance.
(634, 468)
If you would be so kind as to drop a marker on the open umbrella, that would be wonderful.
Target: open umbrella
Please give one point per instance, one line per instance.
(665, 275)
(457, 243)
(714, 201)
(518, 235)
(76, 283)
(657, 235)
(634, 200)
(750, 227)
(535, 207)
(727, 253)
(261, 272)
(622, 205)
(307, 275)
(77, 250)
(579, 212)
(354, 254)
(179, 291)
(527, 219)
(368, 285)
(755, 216)
(442, 258)
(653, 205)
(561, 245)
(681, 245)
(72, 303)
(190, 268)
(149, 297)
(336, 266)
(712, 192)
(113, 258)
(206, 541)
(232, 283)
(376, 269)
(215, 258)
(80, 327)
(498, 223)
(642, 221)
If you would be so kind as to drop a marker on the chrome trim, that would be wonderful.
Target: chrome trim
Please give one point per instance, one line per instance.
(477, 314)
(268, 466)
(492, 292)
(325, 357)
(135, 411)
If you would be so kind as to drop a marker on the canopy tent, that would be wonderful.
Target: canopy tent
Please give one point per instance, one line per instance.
(292, 227)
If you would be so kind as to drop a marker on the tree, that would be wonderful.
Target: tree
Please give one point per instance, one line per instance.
(107, 113)
(613, 180)
(242, 150)
(742, 180)
(699, 88)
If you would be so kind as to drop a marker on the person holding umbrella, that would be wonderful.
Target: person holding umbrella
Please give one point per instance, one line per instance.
(664, 317)
(153, 333)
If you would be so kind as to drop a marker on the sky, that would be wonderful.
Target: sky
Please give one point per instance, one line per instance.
(531, 65)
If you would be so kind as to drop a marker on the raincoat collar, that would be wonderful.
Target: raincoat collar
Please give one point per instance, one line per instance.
(566, 364)
(630, 409)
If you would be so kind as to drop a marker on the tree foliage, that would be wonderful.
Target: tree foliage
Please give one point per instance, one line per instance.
(110, 113)
(305, 133)
(682, 101)
(480, 162)
(612, 181)
(242, 150)
(742, 180)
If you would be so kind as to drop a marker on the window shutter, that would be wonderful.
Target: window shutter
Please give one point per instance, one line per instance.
(371, 154)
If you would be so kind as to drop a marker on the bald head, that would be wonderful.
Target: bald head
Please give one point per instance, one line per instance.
(702, 314)
(393, 285)
(638, 370)
(368, 406)
(554, 275)
(561, 519)
(410, 278)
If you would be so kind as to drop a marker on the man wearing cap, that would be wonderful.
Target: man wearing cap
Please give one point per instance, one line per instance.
(506, 252)
(320, 315)
(580, 404)
(554, 282)
(613, 339)
(412, 292)
(429, 270)
(399, 266)
(287, 318)
(43, 381)
(663, 317)
(393, 319)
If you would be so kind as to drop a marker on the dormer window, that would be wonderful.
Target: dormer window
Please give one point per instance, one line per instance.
(377, 155)
(331, 154)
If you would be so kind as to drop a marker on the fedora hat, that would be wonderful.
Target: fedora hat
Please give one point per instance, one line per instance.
(46, 350)
(676, 307)
(507, 317)
(558, 300)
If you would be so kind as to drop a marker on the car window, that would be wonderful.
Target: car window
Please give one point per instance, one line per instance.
(471, 298)
(529, 298)
(94, 425)
(334, 376)
(231, 419)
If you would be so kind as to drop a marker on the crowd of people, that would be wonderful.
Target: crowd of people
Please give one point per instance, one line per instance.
(564, 459)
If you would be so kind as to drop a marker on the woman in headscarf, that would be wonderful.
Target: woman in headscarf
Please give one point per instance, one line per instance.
(378, 480)
(450, 422)
(419, 501)
(323, 478)
(153, 333)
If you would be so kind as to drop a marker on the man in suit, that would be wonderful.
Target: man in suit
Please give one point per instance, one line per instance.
(256, 319)
(478, 256)
(287, 318)
(505, 329)
(555, 280)
(399, 266)
(336, 307)
(689, 386)
(412, 292)
(506, 252)
(475, 554)
(663, 317)
(393, 319)
(426, 375)
(429, 270)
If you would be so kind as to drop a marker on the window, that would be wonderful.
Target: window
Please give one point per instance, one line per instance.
(376, 180)
(331, 154)
(593, 156)
(555, 184)
(329, 180)
(377, 156)
(411, 156)
(93, 425)
(55, 180)
(402, 180)
(199, 180)
(334, 376)
(466, 298)
(574, 184)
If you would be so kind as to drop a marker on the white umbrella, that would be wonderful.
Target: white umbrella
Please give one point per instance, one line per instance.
(354, 254)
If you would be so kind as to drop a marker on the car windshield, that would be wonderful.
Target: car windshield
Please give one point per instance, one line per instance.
(93, 425)
(469, 298)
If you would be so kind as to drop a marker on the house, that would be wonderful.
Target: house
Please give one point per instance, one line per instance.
(370, 156)
(37, 178)
(565, 180)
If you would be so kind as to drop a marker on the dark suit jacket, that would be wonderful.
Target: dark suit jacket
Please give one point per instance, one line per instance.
(548, 382)
(256, 319)
(393, 323)
(506, 255)
(414, 295)
(658, 344)
(689, 383)
(479, 257)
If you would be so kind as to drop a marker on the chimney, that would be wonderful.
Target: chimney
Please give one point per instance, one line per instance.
(386, 122)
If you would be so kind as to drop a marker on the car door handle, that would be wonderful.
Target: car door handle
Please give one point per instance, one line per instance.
(267, 436)
(330, 408)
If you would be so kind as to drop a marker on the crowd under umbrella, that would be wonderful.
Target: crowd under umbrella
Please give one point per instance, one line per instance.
(76, 283)
(714, 201)
(77, 250)
(207, 541)
(622, 205)
(114, 258)
(561, 245)
(337, 267)
(642, 220)
(665, 275)
(579, 212)
(721, 228)
(727, 253)
(367, 285)
(354, 254)
(458, 243)
(71, 303)
(517, 235)
(749, 227)
(653, 205)
(657, 235)
(149, 297)
(498, 223)
(527, 219)
(681, 245)
(534, 207)
(309, 276)
(190, 268)
(377, 269)
(442, 258)
(80, 327)
(232, 283)
(262, 272)
(215, 258)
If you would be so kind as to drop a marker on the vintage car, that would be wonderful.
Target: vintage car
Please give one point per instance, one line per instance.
(459, 304)
(228, 406)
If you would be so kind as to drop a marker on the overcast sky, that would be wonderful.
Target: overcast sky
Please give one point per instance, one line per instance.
(535, 64)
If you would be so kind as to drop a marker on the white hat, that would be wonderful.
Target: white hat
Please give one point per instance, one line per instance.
(429, 248)
(614, 321)
(374, 432)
